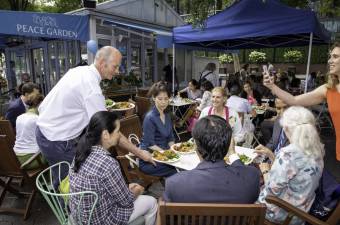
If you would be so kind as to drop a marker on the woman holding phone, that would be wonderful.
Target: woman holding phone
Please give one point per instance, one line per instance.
(329, 92)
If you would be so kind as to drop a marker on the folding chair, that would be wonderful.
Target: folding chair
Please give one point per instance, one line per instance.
(323, 120)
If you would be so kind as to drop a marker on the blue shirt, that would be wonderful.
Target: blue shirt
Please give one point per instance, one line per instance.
(155, 132)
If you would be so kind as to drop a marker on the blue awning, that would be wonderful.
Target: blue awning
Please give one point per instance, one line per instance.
(47, 25)
(255, 24)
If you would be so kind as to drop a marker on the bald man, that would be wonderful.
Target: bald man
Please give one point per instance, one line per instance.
(68, 107)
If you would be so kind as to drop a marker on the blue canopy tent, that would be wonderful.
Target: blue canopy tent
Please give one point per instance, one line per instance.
(255, 24)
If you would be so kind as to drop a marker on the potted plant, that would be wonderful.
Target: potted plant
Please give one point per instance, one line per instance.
(257, 57)
(292, 56)
(225, 59)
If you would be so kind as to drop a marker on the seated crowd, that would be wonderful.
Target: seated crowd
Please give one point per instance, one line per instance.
(290, 159)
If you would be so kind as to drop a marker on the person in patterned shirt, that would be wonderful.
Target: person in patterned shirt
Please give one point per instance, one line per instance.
(94, 169)
(297, 168)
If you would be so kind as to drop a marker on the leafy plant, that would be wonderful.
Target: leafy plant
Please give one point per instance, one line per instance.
(292, 56)
(225, 58)
(257, 57)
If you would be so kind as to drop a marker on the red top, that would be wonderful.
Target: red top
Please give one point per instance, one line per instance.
(333, 101)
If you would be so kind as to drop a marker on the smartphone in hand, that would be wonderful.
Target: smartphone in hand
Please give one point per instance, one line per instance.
(265, 69)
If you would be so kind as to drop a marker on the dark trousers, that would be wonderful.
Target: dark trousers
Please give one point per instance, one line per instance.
(54, 152)
(161, 170)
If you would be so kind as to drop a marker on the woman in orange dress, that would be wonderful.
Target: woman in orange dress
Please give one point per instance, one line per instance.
(329, 92)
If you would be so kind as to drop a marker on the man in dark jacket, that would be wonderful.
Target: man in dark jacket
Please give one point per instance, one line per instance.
(213, 180)
(19, 105)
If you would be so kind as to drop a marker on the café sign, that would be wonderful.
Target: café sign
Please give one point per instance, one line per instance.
(46, 25)
(50, 25)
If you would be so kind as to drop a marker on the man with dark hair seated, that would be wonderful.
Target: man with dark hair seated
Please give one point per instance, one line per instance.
(213, 180)
(18, 106)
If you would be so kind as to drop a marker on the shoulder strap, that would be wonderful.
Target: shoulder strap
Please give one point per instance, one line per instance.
(210, 110)
(226, 114)
(201, 78)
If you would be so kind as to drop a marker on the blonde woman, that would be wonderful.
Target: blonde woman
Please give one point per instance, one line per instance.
(296, 169)
(329, 92)
(219, 108)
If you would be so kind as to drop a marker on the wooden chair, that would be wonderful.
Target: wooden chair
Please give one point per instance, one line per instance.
(7, 129)
(128, 126)
(293, 211)
(210, 213)
(143, 106)
(10, 168)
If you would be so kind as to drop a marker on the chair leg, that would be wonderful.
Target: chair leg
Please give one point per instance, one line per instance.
(29, 204)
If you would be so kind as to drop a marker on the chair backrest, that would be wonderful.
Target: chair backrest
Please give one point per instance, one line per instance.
(7, 129)
(143, 106)
(9, 163)
(59, 202)
(208, 213)
(131, 125)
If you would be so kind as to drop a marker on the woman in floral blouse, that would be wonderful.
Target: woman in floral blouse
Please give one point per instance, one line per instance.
(295, 172)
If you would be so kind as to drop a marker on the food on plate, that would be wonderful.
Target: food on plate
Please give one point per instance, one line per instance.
(121, 105)
(167, 155)
(184, 147)
(245, 159)
(109, 103)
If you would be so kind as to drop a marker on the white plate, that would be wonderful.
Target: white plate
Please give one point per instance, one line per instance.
(246, 151)
(183, 153)
(131, 106)
(169, 161)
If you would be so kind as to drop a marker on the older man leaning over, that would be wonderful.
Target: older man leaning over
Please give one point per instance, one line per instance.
(68, 107)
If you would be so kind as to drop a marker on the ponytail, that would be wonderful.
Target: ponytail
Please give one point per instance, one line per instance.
(99, 122)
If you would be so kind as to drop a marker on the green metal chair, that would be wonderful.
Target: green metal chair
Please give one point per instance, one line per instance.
(59, 202)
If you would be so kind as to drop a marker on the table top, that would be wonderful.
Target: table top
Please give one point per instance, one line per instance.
(182, 102)
(190, 161)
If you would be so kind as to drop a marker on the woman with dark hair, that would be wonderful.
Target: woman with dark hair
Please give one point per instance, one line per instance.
(25, 141)
(94, 169)
(253, 96)
(193, 91)
(157, 131)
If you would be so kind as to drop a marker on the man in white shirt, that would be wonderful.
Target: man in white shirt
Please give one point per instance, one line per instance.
(68, 107)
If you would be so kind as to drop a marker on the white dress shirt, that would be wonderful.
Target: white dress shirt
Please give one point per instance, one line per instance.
(25, 140)
(68, 107)
(239, 104)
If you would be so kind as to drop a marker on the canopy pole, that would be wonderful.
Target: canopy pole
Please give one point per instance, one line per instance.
(173, 69)
(308, 61)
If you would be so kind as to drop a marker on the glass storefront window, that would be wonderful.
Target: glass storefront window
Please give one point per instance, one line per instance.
(149, 63)
(72, 58)
(136, 60)
(121, 45)
(103, 42)
(52, 60)
(61, 58)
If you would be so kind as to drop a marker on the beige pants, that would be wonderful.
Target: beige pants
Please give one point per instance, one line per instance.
(144, 206)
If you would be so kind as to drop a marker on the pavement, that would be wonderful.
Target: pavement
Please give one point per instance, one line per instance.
(41, 214)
